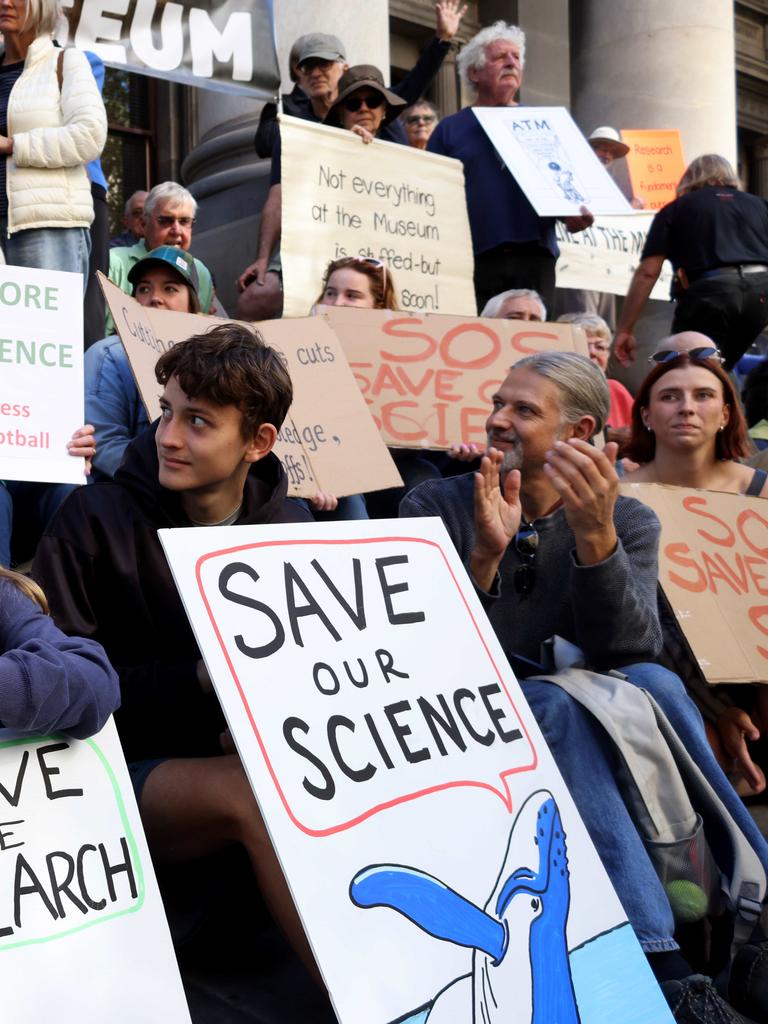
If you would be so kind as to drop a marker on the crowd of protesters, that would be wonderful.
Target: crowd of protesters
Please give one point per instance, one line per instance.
(551, 545)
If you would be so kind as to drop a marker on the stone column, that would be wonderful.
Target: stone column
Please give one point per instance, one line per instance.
(657, 64)
(222, 170)
(759, 167)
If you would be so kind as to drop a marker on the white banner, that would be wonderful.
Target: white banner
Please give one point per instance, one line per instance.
(381, 201)
(83, 935)
(405, 783)
(41, 383)
(551, 160)
(604, 257)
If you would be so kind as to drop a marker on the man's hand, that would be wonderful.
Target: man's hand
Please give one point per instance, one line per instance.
(448, 19)
(82, 445)
(257, 272)
(497, 517)
(6, 145)
(588, 485)
(736, 727)
(576, 224)
(625, 347)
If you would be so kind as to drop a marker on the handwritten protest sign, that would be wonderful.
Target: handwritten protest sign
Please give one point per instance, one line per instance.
(384, 201)
(41, 354)
(228, 45)
(403, 779)
(429, 380)
(551, 160)
(328, 441)
(714, 573)
(83, 936)
(656, 164)
(605, 256)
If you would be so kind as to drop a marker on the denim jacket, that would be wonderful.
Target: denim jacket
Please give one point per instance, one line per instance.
(112, 404)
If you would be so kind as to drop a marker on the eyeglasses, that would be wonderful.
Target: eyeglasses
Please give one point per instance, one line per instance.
(315, 64)
(167, 222)
(420, 119)
(372, 102)
(666, 355)
(526, 545)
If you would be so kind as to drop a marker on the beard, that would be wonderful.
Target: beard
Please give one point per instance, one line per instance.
(512, 458)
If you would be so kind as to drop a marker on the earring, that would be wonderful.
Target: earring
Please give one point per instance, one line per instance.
(721, 429)
(648, 429)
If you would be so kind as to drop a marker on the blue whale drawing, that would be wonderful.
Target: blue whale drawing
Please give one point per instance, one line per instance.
(520, 932)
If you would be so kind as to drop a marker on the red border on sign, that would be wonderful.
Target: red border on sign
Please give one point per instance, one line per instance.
(407, 796)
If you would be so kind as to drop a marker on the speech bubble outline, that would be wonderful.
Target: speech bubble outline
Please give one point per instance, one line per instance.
(130, 838)
(504, 795)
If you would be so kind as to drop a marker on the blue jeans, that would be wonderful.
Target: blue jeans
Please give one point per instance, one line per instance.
(48, 248)
(586, 760)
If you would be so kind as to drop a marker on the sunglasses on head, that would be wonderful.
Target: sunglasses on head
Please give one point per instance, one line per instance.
(369, 260)
(526, 545)
(372, 102)
(666, 355)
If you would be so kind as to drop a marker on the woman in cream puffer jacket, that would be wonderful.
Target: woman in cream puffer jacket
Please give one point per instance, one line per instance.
(55, 123)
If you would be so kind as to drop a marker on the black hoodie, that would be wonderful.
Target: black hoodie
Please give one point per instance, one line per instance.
(106, 577)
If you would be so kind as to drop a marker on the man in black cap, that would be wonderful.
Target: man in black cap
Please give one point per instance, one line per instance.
(320, 61)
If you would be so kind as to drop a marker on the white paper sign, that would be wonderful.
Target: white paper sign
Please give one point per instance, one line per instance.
(404, 781)
(41, 374)
(83, 935)
(551, 160)
(605, 256)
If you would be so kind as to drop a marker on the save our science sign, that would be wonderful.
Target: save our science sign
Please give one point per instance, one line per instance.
(427, 837)
(41, 374)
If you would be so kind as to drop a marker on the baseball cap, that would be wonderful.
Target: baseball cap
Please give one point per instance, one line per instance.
(181, 261)
(321, 47)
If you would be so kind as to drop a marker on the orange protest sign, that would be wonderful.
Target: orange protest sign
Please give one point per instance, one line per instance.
(713, 569)
(656, 164)
(429, 379)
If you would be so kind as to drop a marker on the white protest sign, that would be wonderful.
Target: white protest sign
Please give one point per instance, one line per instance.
(406, 786)
(83, 935)
(381, 201)
(41, 363)
(551, 160)
(605, 256)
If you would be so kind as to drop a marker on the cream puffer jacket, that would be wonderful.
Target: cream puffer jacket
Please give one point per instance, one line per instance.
(55, 134)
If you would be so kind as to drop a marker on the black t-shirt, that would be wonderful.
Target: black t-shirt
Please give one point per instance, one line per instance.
(8, 76)
(714, 226)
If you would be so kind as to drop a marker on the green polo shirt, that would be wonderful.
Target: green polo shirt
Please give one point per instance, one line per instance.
(122, 258)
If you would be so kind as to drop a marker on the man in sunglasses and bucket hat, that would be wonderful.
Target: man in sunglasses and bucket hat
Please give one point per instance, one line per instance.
(554, 551)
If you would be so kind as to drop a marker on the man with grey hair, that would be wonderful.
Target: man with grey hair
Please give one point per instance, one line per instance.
(516, 304)
(133, 221)
(553, 549)
(169, 215)
(513, 246)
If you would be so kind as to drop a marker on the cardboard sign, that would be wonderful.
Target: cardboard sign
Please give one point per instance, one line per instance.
(605, 256)
(429, 380)
(403, 779)
(83, 935)
(713, 568)
(551, 160)
(328, 441)
(227, 45)
(382, 201)
(656, 164)
(41, 357)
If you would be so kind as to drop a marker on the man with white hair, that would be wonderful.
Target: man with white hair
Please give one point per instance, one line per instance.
(513, 246)
(169, 215)
(516, 304)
